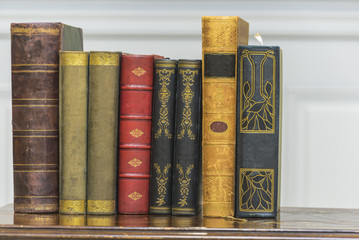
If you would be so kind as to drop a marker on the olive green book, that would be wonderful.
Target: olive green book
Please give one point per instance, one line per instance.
(104, 70)
(73, 92)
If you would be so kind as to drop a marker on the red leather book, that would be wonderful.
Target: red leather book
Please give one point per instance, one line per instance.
(135, 133)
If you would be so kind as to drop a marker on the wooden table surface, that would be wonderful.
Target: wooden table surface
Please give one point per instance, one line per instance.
(292, 223)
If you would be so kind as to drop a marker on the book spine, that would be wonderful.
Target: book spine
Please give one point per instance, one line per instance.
(135, 133)
(104, 70)
(187, 138)
(35, 101)
(164, 99)
(258, 131)
(220, 39)
(73, 131)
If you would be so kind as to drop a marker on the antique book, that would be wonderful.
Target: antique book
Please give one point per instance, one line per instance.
(104, 77)
(164, 100)
(73, 93)
(35, 113)
(258, 146)
(135, 116)
(220, 39)
(187, 139)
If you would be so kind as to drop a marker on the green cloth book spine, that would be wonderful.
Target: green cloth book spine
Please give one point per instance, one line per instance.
(104, 69)
(73, 93)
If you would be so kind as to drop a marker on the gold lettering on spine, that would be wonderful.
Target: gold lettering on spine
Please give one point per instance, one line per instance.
(162, 179)
(164, 95)
(187, 97)
(184, 181)
(73, 58)
(105, 58)
(257, 110)
(73, 206)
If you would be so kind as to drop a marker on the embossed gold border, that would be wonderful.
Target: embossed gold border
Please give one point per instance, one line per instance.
(272, 190)
(264, 53)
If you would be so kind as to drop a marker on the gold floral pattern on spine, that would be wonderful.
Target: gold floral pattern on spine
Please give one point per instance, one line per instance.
(257, 94)
(136, 133)
(187, 96)
(135, 196)
(138, 71)
(256, 190)
(184, 181)
(162, 179)
(135, 162)
(164, 95)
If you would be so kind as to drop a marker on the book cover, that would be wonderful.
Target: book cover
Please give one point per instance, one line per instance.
(35, 111)
(163, 126)
(104, 77)
(220, 39)
(258, 131)
(73, 131)
(187, 139)
(136, 87)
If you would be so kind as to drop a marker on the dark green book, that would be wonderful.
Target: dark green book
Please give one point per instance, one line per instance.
(73, 94)
(187, 145)
(258, 146)
(104, 79)
(163, 121)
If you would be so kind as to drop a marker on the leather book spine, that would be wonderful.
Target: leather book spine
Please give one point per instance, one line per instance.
(187, 136)
(164, 100)
(258, 131)
(136, 86)
(104, 77)
(73, 93)
(220, 39)
(35, 111)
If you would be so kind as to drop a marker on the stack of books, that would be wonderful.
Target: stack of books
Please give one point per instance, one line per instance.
(107, 132)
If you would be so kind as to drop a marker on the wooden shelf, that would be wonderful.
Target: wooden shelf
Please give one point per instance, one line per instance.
(293, 223)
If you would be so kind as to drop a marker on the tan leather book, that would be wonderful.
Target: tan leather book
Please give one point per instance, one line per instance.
(73, 131)
(220, 39)
(35, 111)
(104, 77)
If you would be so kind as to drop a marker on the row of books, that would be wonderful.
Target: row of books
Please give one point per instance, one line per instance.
(86, 122)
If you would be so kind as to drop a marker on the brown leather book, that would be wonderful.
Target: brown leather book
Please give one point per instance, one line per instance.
(35, 113)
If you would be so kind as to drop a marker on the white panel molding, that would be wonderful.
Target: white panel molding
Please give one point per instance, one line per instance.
(183, 18)
(305, 167)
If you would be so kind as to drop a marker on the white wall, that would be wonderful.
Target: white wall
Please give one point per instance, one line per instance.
(320, 42)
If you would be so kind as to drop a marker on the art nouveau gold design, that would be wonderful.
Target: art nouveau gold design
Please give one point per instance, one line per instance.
(162, 179)
(136, 133)
(72, 206)
(105, 58)
(135, 196)
(138, 71)
(34, 31)
(100, 206)
(73, 58)
(184, 180)
(187, 96)
(164, 95)
(256, 190)
(135, 162)
(257, 108)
